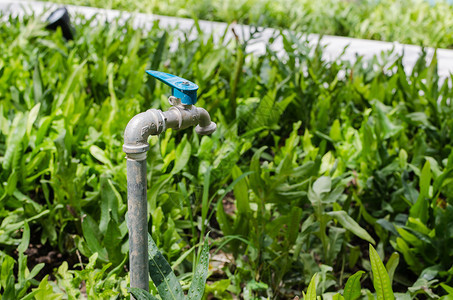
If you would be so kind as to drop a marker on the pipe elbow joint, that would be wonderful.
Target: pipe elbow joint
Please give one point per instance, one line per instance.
(154, 121)
(205, 125)
(139, 128)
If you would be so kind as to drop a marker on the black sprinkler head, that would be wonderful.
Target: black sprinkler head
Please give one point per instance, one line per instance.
(60, 18)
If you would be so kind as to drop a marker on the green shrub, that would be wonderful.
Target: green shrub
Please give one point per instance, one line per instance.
(312, 161)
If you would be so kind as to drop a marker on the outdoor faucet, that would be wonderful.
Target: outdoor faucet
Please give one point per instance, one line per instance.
(182, 114)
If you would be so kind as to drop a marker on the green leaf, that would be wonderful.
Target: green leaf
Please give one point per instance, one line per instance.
(155, 189)
(352, 289)
(224, 224)
(385, 126)
(197, 286)
(240, 191)
(420, 208)
(140, 294)
(205, 149)
(100, 155)
(25, 239)
(336, 238)
(44, 125)
(256, 182)
(211, 62)
(205, 203)
(218, 289)
(335, 130)
(6, 274)
(11, 184)
(21, 269)
(162, 275)
(157, 56)
(9, 291)
(110, 203)
(35, 271)
(311, 291)
(322, 185)
(92, 261)
(425, 179)
(14, 147)
(337, 296)
(257, 286)
(409, 257)
(37, 82)
(447, 288)
(381, 280)
(93, 237)
(29, 296)
(317, 193)
(294, 219)
(183, 152)
(112, 242)
(350, 224)
(32, 115)
(45, 291)
(391, 265)
(70, 85)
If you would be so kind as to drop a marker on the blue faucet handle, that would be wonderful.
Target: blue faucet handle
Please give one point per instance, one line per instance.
(180, 87)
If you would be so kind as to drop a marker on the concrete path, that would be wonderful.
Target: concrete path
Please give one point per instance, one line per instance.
(334, 46)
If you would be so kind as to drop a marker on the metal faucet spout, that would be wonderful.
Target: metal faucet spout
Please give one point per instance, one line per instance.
(205, 126)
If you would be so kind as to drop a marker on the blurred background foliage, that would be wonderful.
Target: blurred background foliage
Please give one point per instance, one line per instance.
(406, 21)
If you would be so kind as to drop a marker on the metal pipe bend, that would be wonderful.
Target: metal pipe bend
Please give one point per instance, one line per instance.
(205, 125)
(205, 118)
(140, 127)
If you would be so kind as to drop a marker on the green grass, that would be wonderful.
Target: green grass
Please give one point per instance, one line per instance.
(412, 22)
(311, 162)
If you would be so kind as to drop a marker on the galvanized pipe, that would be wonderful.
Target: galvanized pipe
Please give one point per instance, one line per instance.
(137, 219)
(139, 128)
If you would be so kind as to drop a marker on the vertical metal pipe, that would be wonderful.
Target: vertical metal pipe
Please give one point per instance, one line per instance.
(137, 220)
